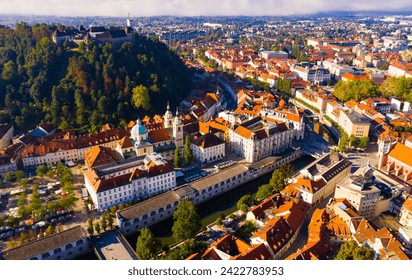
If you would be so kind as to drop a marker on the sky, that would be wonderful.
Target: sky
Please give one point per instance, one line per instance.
(120, 8)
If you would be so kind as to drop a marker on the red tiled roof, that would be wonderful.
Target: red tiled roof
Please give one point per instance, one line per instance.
(159, 135)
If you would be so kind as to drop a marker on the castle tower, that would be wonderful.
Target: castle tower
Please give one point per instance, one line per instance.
(168, 117)
(178, 130)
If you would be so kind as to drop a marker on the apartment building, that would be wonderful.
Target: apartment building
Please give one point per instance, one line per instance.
(111, 185)
(354, 123)
(257, 138)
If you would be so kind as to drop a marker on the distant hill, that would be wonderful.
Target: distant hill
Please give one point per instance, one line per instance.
(85, 86)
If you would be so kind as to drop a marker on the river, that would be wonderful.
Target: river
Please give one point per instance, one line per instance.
(210, 210)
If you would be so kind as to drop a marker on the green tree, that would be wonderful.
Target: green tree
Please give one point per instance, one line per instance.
(244, 202)
(363, 142)
(280, 176)
(400, 88)
(23, 238)
(353, 141)
(188, 248)
(104, 220)
(246, 230)
(90, 228)
(41, 171)
(49, 230)
(110, 221)
(187, 152)
(60, 168)
(219, 222)
(264, 191)
(19, 175)
(176, 160)
(343, 142)
(147, 245)
(356, 90)
(351, 251)
(97, 227)
(9, 70)
(186, 221)
(141, 97)
(9, 177)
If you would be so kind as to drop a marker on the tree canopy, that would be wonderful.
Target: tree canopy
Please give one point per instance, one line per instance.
(141, 97)
(400, 88)
(84, 87)
(351, 251)
(277, 183)
(187, 152)
(147, 245)
(244, 202)
(356, 90)
(186, 221)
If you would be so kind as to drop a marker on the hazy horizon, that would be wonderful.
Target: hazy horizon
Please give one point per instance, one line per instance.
(138, 8)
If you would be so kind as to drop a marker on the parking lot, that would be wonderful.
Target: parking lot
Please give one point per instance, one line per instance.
(49, 191)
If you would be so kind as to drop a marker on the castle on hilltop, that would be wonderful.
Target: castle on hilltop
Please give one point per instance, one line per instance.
(95, 34)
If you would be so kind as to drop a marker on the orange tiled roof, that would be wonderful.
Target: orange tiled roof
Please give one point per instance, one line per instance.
(256, 252)
(244, 132)
(98, 156)
(351, 103)
(402, 153)
(310, 185)
(407, 205)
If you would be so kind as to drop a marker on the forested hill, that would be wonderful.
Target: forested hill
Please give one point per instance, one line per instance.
(85, 86)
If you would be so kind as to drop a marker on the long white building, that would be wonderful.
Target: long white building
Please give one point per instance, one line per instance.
(119, 183)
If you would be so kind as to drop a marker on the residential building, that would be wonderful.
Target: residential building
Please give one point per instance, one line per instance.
(380, 104)
(98, 156)
(290, 115)
(368, 195)
(405, 235)
(10, 158)
(230, 247)
(354, 123)
(381, 241)
(386, 141)
(399, 69)
(257, 138)
(406, 213)
(68, 147)
(309, 191)
(136, 179)
(319, 179)
(317, 99)
(273, 54)
(318, 242)
(316, 75)
(279, 220)
(208, 148)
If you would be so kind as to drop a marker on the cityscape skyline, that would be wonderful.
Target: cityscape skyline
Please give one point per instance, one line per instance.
(137, 8)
